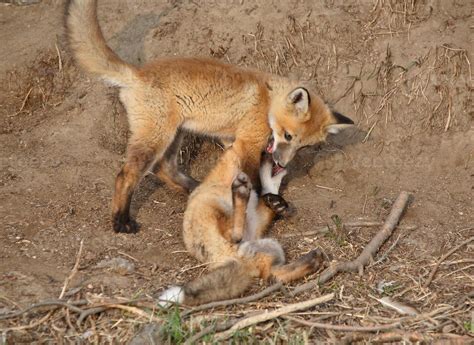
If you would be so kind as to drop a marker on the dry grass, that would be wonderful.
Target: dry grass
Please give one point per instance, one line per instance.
(427, 95)
(345, 315)
(30, 93)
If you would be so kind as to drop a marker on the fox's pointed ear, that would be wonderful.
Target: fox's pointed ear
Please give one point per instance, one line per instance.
(339, 122)
(299, 99)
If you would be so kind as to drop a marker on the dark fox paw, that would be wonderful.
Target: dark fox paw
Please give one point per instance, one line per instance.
(190, 184)
(314, 259)
(128, 226)
(241, 186)
(278, 205)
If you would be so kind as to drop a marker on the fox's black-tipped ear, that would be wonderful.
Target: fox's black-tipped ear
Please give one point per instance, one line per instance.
(340, 122)
(341, 119)
(299, 99)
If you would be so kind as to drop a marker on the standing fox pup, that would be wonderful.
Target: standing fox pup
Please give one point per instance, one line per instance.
(225, 207)
(172, 95)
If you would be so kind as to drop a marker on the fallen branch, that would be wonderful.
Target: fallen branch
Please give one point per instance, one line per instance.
(268, 315)
(384, 338)
(273, 288)
(53, 304)
(344, 328)
(384, 255)
(29, 326)
(361, 224)
(73, 271)
(444, 257)
(210, 329)
(369, 251)
(136, 311)
(88, 312)
(410, 337)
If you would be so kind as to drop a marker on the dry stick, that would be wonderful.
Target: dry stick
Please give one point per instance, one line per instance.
(60, 61)
(136, 311)
(210, 329)
(384, 255)
(73, 272)
(326, 229)
(344, 328)
(54, 304)
(268, 315)
(415, 337)
(24, 101)
(32, 325)
(133, 310)
(100, 308)
(369, 251)
(247, 299)
(383, 338)
(86, 313)
(444, 257)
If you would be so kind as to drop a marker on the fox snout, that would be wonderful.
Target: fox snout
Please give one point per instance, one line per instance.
(283, 154)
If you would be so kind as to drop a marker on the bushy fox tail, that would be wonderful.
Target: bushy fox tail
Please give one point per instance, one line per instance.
(263, 258)
(227, 281)
(232, 279)
(89, 47)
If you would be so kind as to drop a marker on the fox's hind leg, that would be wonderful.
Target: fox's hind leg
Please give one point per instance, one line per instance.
(241, 188)
(167, 168)
(144, 148)
(307, 264)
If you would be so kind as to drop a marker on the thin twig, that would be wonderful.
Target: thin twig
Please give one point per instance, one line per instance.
(60, 61)
(444, 257)
(384, 255)
(326, 229)
(370, 131)
(24, 101)
(73, 272)
(32, 325)
(268, 315)
(86, 313)
(103, 307)
(247, 299)
(369, 251)
(136, 311)
(210, 329)
(52, 303)
(344, 328)
(128, 256)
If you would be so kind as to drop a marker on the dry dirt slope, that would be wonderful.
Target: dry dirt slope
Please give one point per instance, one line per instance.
(401, 69)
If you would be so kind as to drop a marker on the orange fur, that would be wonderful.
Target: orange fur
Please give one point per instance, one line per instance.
(210, 220)
(204, 96)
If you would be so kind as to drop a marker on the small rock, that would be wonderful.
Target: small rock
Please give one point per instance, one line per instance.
(149, 334)
(118, 265)
(448, 328)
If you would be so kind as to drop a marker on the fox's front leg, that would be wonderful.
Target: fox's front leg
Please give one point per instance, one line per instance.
(249, 154)
(241, 188)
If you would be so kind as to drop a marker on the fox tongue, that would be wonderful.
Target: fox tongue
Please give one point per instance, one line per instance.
(276, 169)
(269, 148)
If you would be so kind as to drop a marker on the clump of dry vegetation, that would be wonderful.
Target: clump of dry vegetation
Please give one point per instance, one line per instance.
(400, 296)
(30, 93)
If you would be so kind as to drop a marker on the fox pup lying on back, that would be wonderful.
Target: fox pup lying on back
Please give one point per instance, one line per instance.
(169, 96)
(223, 208)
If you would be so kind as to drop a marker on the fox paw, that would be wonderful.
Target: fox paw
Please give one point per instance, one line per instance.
(126, 227)
(241, 186)
(278, 204)
(314, 259)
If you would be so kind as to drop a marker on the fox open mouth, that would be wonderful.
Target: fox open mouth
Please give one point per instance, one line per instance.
(276, 168)
(269, 148)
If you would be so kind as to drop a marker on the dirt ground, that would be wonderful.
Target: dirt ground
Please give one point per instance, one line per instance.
(400, 68)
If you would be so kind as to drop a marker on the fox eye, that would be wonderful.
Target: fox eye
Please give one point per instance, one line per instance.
(288, 136)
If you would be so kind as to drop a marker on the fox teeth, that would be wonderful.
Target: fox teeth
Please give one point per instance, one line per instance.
(276, 169)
